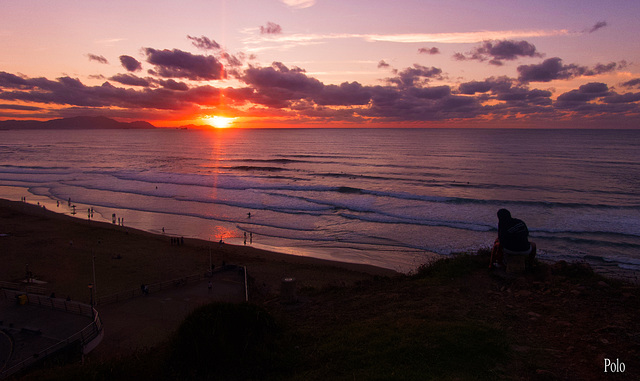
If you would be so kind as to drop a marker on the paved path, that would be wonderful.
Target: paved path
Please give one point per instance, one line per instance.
(148, 320)
(128, 326)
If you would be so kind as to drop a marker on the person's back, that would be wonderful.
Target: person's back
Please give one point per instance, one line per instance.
(512, 233)
(513, 239)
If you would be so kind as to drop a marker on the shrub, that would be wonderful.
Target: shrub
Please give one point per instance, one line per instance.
(224, 341)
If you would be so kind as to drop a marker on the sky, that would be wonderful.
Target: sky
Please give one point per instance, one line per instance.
(324, 63)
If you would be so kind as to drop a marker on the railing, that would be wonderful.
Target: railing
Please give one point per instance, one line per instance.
(88, 337)
(28, 288)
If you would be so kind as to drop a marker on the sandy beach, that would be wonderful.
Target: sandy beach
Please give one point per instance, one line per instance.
(60, 252)
(559, 321)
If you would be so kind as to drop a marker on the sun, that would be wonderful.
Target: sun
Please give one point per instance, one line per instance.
(219, 121)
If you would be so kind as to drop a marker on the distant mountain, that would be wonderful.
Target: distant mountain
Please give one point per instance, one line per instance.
(75, 123)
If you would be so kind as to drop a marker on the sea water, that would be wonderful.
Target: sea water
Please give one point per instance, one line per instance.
(388, 197)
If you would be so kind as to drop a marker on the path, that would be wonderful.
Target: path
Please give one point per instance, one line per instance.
(146, 321)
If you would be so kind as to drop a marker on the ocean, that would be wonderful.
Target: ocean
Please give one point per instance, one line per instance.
(394, 198)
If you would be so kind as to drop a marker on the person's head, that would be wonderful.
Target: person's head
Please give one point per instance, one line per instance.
(503, 214)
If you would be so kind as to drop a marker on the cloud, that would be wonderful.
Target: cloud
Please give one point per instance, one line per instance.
(415, 75)
(430, 51)
(622, 98)
(66, 91)
(553, 68)
(180, 64)
(173, 85)
(132, 80)
(130, 63)
(255, 43)
(463, 37)
(632, 83)
(383, 64)
(276, 85)
(498, 51)
(299, 4)
(583, 94)
(101, 59)
(489, 84)
(271, 28)
(204, 43)
(597, 26)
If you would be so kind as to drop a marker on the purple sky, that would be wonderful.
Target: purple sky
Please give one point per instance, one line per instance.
(270, 63)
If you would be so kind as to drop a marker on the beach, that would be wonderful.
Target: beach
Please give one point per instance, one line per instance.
(559, 322)
(62, 252)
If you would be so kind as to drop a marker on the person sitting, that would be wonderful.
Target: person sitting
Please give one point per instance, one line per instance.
(513, 239)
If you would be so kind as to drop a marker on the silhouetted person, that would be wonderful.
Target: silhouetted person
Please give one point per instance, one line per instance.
(513, 239)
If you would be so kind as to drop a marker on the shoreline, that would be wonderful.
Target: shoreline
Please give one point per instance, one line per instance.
(177, 225)
(61, 250)
(599, 264)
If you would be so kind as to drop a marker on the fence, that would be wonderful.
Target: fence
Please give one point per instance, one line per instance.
(26, 287)
(88, 337)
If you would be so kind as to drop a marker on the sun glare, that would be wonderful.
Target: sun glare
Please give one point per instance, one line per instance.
(219, 121)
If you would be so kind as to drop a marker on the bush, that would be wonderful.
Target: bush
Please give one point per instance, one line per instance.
(456, 265)
(225, 341)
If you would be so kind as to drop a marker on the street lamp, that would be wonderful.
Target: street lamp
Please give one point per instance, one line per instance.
(91, 297)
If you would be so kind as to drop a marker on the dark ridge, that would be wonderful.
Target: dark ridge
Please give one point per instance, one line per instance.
(74, 123)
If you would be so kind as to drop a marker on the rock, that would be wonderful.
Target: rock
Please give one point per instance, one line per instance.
(603, 284)
(534, 315)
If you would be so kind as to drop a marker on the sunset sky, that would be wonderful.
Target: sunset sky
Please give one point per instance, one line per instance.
(294, 63)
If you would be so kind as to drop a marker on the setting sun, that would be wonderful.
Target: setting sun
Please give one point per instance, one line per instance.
(219, 121)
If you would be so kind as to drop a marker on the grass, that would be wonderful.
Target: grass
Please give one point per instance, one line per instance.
(451, 320)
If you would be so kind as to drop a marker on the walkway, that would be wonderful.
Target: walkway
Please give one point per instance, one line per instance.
(145, 321)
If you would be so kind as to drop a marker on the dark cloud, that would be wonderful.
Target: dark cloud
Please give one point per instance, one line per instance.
(130, 63)
(132, 80)
(18, 107)
(534, 96)
(470, 88)
(597, 26)
(232, 60)
(585, 93)
(383, 64)
(101, 59)
(622, 98)
(498, 51)
(180, 64)
(343, 95)
(277, 85)
(430, 51)
(437, 92)
(204, 43)
(415, 76)
(66, 91)
(632, 83)
(173, 85)
(12, 81)
(271, 28)
(553, 68)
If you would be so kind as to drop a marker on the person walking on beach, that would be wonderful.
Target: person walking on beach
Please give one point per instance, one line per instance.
(513, 239)
(210, 286)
